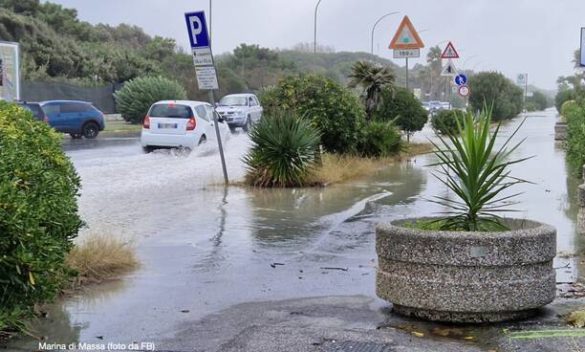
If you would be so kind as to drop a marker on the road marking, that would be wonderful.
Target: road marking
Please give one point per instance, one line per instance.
(541, 334)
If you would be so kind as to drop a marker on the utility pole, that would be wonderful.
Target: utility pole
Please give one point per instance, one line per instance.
(315, 29)
(374, 28)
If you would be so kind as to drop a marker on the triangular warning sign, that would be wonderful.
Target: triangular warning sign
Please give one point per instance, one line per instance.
(406, 36)
(449, 52)
(449, 69)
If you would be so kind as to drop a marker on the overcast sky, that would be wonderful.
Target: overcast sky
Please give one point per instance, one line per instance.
(537, 37)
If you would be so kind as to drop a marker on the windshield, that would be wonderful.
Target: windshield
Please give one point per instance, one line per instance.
(171, 111)
(233, 100)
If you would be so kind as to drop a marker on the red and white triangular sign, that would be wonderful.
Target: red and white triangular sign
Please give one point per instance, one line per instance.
(406, 37)
(449, 69)
(449, 52)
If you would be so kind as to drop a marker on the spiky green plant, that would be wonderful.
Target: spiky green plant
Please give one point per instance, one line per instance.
(477, 172)
(285, 151)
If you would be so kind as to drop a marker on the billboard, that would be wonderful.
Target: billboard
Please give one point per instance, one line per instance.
(9, 71)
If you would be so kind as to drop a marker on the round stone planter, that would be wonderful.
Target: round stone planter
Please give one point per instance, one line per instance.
(466, 277)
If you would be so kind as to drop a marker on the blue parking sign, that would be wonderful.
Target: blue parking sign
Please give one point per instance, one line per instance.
(197, 27)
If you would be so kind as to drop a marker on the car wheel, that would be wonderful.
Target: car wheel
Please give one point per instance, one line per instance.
(232, 129)
(147, 149)
(248, 125)
(90, 130)
(75, 135)
(202, 140)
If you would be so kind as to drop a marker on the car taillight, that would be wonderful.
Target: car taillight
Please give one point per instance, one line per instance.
(191, 124)
(146, 123)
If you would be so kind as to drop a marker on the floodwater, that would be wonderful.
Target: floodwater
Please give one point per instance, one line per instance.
(204, 248)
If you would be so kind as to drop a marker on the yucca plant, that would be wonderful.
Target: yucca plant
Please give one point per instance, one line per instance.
(477, 173)
(285, 151)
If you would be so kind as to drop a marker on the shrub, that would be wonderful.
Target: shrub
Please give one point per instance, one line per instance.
(331, 108)
(285, 151)
(38, 211)
(495, 90)
(136, 97)
(568, 108)
(402, 107)
(563, 96)
(575, 116)
(445, 122)
(380, 138)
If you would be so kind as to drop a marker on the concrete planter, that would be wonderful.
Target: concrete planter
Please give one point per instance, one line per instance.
(560, 131)
(466, 276)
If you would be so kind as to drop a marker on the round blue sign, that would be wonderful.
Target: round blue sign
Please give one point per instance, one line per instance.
(460, 79)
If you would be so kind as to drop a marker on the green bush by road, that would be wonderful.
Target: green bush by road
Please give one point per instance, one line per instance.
(136, 97)
(445, 122)
(331, 108)
(494, 90)
(380, 139)
(38, 213)
(402, 107)
(574, 114)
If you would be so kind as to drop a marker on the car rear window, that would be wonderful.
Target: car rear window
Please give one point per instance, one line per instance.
(171, 111)
(36, 110)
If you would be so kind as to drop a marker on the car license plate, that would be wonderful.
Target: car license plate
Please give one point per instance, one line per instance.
(167, 125)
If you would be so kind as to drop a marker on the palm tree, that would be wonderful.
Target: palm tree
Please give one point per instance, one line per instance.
(434, 61)
(373, 78)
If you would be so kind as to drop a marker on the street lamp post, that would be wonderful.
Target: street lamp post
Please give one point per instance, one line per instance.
(315, 28)
(374, 28)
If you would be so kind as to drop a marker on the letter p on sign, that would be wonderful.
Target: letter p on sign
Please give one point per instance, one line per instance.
(197, 29)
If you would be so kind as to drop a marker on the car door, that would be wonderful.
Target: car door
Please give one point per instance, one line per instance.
(53, 112)
(205, 118)
(258, 108)
(71, 116)
(222, 126)
(252, 109)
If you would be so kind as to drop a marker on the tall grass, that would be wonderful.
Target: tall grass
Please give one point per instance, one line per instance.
(101, 257)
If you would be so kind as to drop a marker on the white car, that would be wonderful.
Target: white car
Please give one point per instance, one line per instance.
(240, 110)
(179, 123)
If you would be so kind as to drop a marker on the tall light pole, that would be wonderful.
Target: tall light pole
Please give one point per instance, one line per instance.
(315, 28)
(374, 28)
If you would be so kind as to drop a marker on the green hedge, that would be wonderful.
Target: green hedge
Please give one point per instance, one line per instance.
(331, 108)
(494, 90)
(445, 121)
(402, 107)
(38, 212)
(136, 97)
(575, 117)
(380, 138)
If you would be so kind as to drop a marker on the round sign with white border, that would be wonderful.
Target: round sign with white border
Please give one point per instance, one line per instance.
(464, 90)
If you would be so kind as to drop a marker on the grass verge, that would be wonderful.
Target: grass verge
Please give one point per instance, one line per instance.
(340, 168)
(120, 126)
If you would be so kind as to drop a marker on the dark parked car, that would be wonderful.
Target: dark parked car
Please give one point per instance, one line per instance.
(78, 118)
(36, 110)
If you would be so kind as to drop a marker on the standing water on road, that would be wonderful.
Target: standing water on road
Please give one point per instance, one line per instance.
(204, 248)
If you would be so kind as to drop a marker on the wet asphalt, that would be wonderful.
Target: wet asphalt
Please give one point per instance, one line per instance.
(242, 269)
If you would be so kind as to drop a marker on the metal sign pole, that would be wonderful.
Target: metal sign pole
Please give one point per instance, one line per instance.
(406, 73)
(200, 41)
(219, 142)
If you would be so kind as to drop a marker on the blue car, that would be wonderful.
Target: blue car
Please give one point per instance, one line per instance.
(78, 118)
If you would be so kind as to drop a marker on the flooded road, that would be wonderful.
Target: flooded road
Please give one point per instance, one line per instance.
(204, 248)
